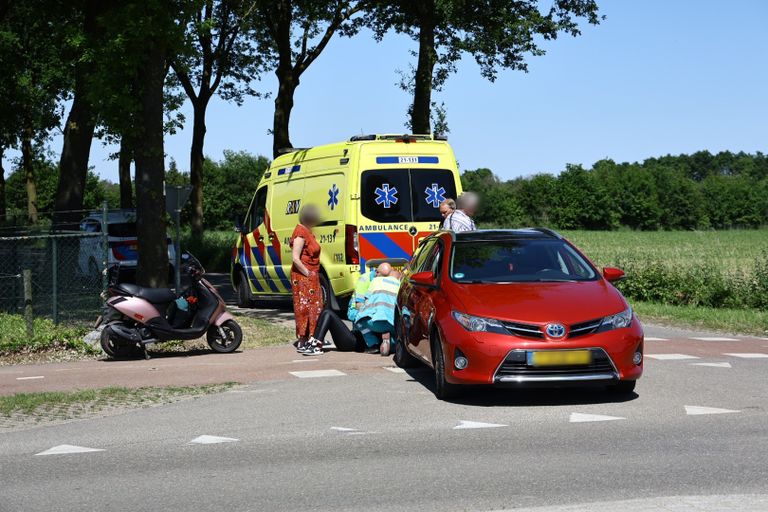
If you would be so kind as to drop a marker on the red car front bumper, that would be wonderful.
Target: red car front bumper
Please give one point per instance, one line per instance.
(612, 352)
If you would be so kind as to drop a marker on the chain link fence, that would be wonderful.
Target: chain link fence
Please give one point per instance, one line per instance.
(54, 271)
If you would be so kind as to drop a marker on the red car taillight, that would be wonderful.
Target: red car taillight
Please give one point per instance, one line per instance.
(351, 245)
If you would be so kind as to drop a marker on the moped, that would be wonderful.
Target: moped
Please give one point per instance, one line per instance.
(137, 316)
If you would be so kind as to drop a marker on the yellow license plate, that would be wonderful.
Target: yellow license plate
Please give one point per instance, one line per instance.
(560, 358)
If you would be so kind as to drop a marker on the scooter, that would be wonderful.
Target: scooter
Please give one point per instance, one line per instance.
(136, 316)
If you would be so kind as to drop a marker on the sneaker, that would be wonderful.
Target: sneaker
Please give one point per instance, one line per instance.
(385, 345)
(303, 346)
(315, 349)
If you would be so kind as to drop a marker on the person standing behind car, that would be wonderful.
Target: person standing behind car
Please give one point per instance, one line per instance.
(461, 219)
(305, 279)
(447, 208)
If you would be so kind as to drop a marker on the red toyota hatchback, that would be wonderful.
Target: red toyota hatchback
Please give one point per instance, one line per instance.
(515, 307)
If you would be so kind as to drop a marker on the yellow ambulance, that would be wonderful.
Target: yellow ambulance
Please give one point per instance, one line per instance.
(378, 195)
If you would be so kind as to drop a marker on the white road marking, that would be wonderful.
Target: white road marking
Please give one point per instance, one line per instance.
(394, 369)
(305, 360)
(753, 355)
(713, 365)
(577, 417)
(696, 410)
(463, 425)
(713, 338)
(651, 338)
(212, 440)
(64, 449)
(311, 374)
(31, 378)
(344, 429)
(670, 357)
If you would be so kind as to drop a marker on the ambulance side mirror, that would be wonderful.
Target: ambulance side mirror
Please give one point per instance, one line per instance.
(238, 224)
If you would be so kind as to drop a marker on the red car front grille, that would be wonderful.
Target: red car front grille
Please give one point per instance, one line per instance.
(515, 365)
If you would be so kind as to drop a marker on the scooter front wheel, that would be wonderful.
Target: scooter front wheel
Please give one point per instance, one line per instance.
(112, 346)
(225, 338)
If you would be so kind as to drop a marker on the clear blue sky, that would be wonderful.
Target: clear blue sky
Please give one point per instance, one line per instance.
(656, 77)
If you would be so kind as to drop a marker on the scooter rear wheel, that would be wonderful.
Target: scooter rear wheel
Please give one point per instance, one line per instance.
(233, 337)
(112, 347)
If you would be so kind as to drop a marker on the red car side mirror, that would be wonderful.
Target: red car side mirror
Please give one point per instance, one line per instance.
(423, 278)
(612, 274)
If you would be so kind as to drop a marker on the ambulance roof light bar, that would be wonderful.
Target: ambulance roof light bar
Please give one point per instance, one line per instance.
(408, 137)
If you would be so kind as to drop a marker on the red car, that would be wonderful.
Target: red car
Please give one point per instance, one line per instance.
(515, 307)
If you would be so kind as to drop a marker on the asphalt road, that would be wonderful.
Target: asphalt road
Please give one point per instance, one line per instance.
(694, 437)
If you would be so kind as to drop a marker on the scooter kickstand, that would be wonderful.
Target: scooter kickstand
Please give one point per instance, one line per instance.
(146, 354)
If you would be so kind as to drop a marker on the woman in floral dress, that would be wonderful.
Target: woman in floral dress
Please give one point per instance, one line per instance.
(305, 280)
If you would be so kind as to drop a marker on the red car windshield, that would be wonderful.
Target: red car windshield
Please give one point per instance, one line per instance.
(518, 261)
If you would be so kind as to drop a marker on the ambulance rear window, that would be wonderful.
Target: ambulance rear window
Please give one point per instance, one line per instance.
(386, 195)
(405, 195)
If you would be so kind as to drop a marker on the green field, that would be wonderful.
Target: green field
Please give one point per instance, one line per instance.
(730, 251)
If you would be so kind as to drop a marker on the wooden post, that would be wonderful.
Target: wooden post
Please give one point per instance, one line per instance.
(28, 313)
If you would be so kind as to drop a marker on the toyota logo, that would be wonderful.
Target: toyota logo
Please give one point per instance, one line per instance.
(555, 330)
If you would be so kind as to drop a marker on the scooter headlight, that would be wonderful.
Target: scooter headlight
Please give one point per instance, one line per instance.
(479, 324)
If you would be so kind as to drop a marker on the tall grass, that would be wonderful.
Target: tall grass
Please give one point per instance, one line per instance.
(214, 251)
(718, 269)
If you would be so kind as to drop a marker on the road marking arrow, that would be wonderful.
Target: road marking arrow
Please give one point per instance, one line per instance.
(212, 440)
(64, 449)
(696, 410)
(753, 355)
(578, 417)
(476, 424)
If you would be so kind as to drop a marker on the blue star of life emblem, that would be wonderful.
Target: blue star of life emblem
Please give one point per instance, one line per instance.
(435, 195)
(386, 196)
(333, 196)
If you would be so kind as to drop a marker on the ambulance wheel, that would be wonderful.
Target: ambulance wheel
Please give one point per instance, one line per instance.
(244, 299)
(326, 290)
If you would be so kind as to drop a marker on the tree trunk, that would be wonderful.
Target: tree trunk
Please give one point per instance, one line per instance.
(28, 165)
(196, 166)
(150, 172)
(78, 134)
(283, 106)
(2, 186)
(73, 166)
(124, 171)
(422, 92)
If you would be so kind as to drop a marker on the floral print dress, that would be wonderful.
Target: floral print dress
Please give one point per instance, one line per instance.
(307, 295)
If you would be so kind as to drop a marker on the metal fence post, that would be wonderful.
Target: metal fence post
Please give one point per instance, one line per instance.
(28, 312)
(55, 279)
(105, 241)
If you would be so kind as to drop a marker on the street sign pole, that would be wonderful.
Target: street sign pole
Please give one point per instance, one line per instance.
(175, 198)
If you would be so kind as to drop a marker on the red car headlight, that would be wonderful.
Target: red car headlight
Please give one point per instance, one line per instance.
(479, 324)
(617, 321)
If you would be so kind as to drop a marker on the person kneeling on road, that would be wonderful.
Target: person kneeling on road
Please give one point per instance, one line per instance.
(376, 318)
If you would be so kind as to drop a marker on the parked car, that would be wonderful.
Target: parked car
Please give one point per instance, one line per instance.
(515, 307)
(121, 238)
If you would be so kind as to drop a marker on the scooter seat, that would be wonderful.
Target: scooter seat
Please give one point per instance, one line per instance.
(153, 295)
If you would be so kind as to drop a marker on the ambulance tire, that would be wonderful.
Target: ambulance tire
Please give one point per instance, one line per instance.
(325, 286)
(244, 298)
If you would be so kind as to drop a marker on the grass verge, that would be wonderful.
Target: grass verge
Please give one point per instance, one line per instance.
(29, 409)
(47, 336)
(737, 321)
